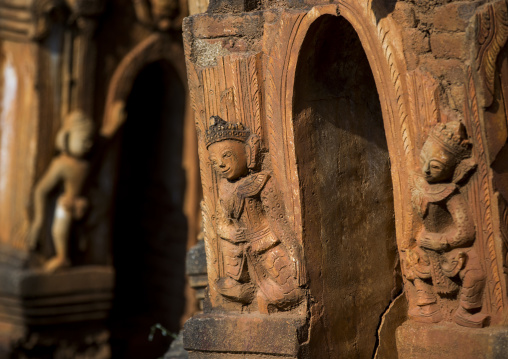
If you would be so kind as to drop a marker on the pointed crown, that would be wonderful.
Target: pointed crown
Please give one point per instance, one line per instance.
(221, 130)
(452, 136)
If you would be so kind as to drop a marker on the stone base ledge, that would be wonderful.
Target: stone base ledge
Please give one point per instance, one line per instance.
(36, 298)
(24, 283)
(450, 341)
(244, 335)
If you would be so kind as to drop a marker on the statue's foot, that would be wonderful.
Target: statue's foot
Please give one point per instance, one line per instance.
(467, 319)
(426, 314)
(56, 263)
(234, 290)
(263, 303)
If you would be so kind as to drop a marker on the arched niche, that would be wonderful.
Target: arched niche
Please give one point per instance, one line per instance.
(149, 225)
(150, 168)
(346, 191)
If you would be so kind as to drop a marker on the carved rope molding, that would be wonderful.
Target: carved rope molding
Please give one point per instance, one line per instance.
(482, 199)
(491, 36)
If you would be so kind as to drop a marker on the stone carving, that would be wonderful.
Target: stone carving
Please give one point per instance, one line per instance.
(444, 262)
(157, 13)
(70, 168)
(491, 36)
(258, 261)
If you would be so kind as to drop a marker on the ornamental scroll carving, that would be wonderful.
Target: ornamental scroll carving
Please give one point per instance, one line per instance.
(444, 265)
(491, 37)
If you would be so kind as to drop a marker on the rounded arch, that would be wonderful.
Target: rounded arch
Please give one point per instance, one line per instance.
(155, 48)
(390, 87)
(389, 83)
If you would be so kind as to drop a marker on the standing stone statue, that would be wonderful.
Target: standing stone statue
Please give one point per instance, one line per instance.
(444, 263)
(70, 168)
(259, 260)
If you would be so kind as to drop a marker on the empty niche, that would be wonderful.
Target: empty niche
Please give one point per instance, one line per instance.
(150, 229)
(347, 195)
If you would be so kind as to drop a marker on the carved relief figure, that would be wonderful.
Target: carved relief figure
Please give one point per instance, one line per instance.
(444, 262)
(259, 260)
(70, 168)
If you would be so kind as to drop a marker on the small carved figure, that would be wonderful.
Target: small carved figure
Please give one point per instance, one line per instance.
(258, 260)
(444, 261)
(70, 167)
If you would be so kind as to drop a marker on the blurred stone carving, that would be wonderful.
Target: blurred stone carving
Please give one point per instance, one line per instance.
(444, 263)
(70, 168)
(258, 261)
(157, 13)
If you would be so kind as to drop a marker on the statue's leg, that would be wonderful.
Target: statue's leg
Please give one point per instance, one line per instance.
(471, 295)
(426, 309)
(235, 283)
(60, 231)
(276, 274)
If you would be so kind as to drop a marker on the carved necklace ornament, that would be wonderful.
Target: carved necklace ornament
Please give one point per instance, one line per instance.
(444, 264)
(259, 260)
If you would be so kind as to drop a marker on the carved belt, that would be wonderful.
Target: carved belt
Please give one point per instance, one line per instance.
(261, 240)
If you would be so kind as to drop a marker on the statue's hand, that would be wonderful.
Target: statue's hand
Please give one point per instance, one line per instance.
(433, 241)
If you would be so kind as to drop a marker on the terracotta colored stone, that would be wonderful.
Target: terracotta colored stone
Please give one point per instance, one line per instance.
(216, 333)
(334, 89)
(455, 16)
(415, 341)
(404, 15)
(416, 41)
(449, 45)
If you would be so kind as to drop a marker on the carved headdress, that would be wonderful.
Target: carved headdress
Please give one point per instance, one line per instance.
(221, 130)
(453, 138)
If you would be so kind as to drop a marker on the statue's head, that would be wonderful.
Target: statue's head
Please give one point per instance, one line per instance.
(76, 136)
(233, 149)
(446, 146)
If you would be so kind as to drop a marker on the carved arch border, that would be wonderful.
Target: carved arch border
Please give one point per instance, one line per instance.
(158, 46)
(155, 47)
(383, 63)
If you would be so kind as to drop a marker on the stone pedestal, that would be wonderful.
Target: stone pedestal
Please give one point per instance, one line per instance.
(448, 340)
(63, 313)
(245, 336)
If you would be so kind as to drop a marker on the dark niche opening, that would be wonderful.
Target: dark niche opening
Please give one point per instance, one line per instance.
(150, 229)
(347, 201)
